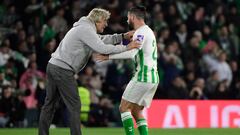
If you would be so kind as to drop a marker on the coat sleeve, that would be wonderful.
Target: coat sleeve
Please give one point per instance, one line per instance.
(91, 39)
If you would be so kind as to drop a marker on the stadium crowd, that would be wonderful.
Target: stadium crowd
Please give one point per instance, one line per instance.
(198, 55)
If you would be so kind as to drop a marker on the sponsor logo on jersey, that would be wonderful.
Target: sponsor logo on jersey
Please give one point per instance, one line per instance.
(140, 38)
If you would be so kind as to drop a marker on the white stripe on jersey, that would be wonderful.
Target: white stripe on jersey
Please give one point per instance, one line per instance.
(146, 59)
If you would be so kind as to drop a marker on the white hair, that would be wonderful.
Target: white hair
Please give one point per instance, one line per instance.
(98, 13)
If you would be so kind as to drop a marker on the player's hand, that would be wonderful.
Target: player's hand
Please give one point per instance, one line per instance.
(133, 44)
(128, 35)
(100, 57)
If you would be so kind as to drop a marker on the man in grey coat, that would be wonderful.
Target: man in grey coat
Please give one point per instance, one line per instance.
(69, 58)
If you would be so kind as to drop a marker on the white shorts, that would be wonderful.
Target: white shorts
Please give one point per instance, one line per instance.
(140, 93)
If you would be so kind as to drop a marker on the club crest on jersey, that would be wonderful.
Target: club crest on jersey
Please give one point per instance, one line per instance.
(140, 38)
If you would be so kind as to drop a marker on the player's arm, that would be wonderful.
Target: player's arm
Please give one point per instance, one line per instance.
(131, 53)
(91, 39)
(116, 38)
(124, 55)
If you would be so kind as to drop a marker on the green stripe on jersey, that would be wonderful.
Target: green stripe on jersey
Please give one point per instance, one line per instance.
(141, 65)
(157, 77)
(153, 76)
(145, 71)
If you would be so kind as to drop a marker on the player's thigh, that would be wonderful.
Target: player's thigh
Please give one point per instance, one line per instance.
(136, 108)
(124, 106)
(129, 106)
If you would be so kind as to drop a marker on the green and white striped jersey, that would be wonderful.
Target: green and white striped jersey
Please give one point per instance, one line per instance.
(146, 58)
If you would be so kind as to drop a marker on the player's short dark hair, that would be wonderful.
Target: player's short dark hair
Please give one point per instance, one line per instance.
(139, 11)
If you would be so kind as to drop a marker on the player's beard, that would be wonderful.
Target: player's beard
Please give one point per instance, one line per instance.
(130, 26)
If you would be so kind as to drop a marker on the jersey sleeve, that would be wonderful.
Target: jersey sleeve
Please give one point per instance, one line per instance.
(140, 37)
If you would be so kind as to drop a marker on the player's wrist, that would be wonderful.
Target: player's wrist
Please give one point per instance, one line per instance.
(123, 36)
(107, 57)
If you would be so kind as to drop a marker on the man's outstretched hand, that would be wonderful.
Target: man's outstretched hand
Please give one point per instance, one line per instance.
(133, 44)
(128, 35)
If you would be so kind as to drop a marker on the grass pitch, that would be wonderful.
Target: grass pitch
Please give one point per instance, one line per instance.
(119, 131)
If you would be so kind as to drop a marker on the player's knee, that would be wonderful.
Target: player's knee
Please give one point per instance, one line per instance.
(123, 108)
(136, 113)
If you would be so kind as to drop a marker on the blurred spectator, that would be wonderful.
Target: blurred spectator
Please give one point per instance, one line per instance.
(44, 54)
(211, 83)
(12, 109)
(197, 93)
(189, 79)
(32, 7)
(234, 39)
(6, 53)
(222, 91)
(40, 92)
(3, 80)
(47, 32)
(6, 105)
(192, 51)
(178, 89)
(47, 10)
(184, 8)
(234, 87)
(218, 10)
(207, 33)
(220, 65)
(163, 38)
(35, 26)
(31, 43)
(158, 21)
(200, 82)
(171, 63)
(28, 83)
(172, 16)
(233, 15)
(76, 10)
(226, 43)
(237, 89)
(19, 111)
(196, 20)
(181, 35)
(10, 70)
(59, 22)
(10, 16)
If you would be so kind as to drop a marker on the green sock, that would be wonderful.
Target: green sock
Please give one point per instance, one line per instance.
(142, 126)
(127, 123)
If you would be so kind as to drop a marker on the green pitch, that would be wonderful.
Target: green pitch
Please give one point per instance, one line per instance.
(119, 131)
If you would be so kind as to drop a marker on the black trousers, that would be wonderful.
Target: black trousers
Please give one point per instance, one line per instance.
(60, 84)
